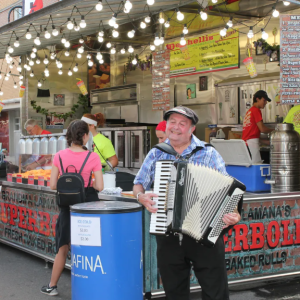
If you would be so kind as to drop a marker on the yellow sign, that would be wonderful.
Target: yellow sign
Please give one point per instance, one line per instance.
(207, 53)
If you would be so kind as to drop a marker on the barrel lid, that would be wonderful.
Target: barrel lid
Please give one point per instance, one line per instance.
(106, 207)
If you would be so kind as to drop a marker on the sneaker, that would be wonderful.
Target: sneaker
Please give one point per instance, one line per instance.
(51, 291)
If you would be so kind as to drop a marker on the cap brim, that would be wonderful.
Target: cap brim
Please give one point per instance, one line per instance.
(269, 100)
(166, 116)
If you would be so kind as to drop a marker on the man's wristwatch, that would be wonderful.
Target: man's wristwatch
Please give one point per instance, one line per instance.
(137, 196)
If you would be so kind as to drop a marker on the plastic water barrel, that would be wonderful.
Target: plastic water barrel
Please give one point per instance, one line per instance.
(106, 251)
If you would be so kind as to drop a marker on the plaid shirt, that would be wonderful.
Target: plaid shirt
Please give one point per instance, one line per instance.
(208, 156)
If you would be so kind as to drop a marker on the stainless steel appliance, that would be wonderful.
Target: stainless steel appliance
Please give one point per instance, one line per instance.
(285, 159)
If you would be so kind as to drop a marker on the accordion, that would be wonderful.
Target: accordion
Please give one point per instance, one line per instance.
(192, 200)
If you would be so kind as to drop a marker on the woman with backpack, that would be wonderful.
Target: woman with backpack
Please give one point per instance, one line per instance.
(72, 159)
(103, 146)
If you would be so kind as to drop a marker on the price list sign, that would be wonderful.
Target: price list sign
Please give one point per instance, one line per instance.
(161, 80)
(289, 59)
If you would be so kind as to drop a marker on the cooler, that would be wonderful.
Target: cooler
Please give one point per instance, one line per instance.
(106, 251)
(239, 165)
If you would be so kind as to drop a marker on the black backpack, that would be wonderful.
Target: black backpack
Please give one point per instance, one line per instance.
(70, 186)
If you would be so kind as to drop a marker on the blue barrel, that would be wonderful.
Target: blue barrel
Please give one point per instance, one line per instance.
(106, 251)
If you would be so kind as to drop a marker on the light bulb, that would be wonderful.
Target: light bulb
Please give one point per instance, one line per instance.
(131, 33)
(130, 49)
(15, 85)
(185, 30)
(134, 61)
(150, 2)
(161, 20)
(31, 63)
(34, 49)
(223, 31)
(250, 33)
(112, 21)
(182, 41)
(156, 41)
(63, 40)
(39, 84)
(70, 24)
(76, 27)
(46, 61)
(264, 35)
(75, 69)
(60, 72)
(19, 68)
(10, 49)
(82, 23)
(17, 43)
(128, 5)
(115, 33)
(122, 51)
(47, 74)
(28, 68)
(79, 55)
(38, 61)
(1, 93)
(143, 25)
(101, 33)
(286, 3)
(70, 72)
(162, 39)
(54, 31)
(81, 49)
(21, 76)
(11, 66)
(113, 50)
(59, 65)
(180, 16)
(6, 77)
(25, 66)
(52, 55)
(47, 34)
(99, 5)
(275, 13)
(89, 56)
(28, 35)
(108, 45)
(99, 56)
(31, 74)
(214, 1)
(152, 47)
(67, 44)
(167, 24)
(148, 19)
(67, 53)
(81, 41)
(229, 23)
(203, 15)
(90, 63)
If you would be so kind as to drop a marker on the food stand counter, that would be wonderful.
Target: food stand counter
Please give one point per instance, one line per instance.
(263, 246)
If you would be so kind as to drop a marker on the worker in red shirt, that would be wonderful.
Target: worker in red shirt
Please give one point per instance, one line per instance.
(253, 125)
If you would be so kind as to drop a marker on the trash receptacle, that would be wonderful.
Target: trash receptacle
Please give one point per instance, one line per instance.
(106, 251)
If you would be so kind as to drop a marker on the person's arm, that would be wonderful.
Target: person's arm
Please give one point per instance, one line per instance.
(113, 160)
(98, 182)
(54, 177)
(144, 199)
(262, 128)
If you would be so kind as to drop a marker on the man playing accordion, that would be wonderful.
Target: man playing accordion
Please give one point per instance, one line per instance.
(175, 260)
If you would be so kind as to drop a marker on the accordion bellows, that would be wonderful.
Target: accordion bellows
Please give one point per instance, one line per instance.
(192, 199)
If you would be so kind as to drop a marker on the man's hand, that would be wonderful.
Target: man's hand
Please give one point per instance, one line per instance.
(30, 167)
(231, 219)
(146, 200)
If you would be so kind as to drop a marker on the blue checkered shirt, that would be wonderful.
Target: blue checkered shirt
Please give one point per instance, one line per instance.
(207, 156)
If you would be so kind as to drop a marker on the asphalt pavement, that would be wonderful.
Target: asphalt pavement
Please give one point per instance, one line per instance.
(22, 275)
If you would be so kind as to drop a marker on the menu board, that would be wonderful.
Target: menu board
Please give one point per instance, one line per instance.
(289, 59)
(161, 80)
(206, 53)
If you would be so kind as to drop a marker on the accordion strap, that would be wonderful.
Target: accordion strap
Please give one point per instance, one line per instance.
(170, 150)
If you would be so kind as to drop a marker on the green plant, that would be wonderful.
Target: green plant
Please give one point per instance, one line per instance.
(81, 103)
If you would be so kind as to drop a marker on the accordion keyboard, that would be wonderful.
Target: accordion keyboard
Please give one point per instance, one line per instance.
(158, 221)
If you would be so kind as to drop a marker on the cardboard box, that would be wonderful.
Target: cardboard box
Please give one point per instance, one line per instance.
(232, 135)
(208, 131)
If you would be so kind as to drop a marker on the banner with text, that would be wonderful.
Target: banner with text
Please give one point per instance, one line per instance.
(207, 53)
(289, 59)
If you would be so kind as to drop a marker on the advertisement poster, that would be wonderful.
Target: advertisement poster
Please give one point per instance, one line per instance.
(99, 74)
(161, 80)
(191, 91)
(206, 53)
(289, 59)
(59, 100)
(31, 6)
(54, 122)
(4, 130)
